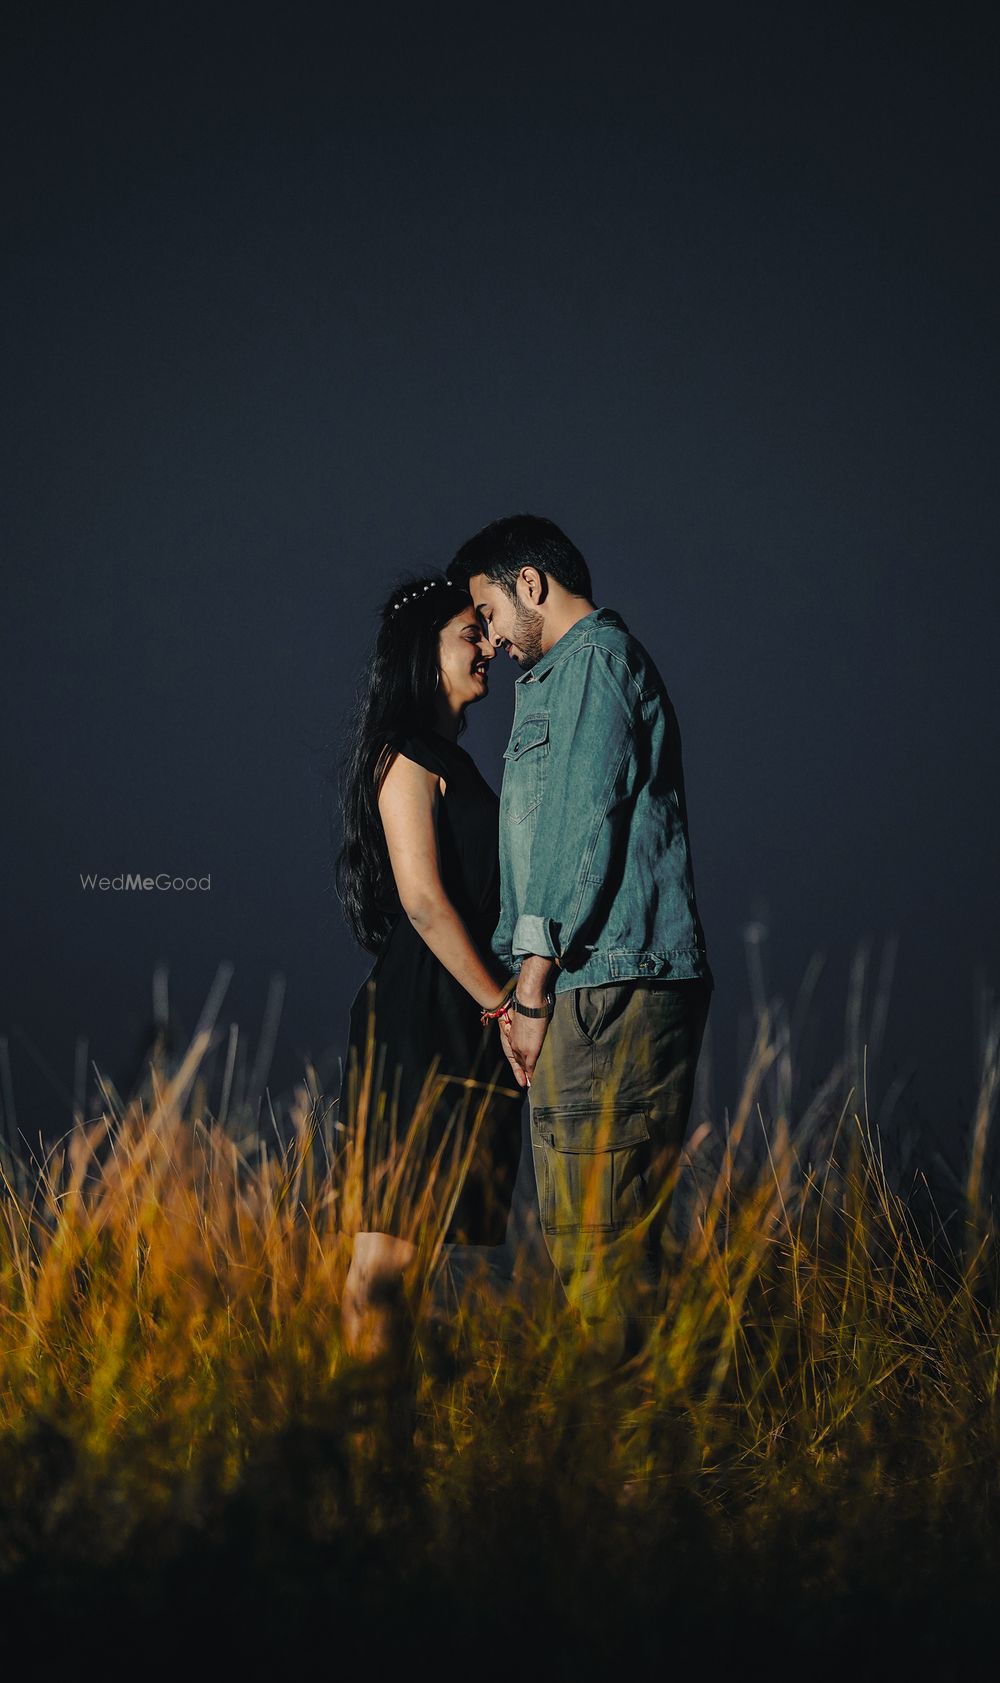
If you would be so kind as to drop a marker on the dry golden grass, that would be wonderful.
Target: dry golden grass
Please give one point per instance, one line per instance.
(810, 1427)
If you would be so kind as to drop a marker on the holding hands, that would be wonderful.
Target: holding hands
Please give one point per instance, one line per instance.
(522, 1039)
(523, 1017)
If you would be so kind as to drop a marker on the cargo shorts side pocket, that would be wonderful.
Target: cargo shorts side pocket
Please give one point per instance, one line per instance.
(591, 1166)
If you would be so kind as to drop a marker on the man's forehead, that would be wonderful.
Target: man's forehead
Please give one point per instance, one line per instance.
(481, 590)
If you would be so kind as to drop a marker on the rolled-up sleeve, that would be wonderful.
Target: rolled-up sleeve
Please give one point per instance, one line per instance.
(536, 935)
(583, 815)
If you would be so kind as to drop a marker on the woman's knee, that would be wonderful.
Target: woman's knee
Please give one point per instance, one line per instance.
(379, 1262)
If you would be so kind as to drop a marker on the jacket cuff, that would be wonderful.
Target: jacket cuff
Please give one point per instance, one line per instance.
(535, 935)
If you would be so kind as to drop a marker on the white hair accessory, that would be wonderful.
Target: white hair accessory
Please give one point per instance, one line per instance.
(412, 594)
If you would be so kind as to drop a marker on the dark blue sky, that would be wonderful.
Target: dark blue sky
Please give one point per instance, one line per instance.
(292, 305)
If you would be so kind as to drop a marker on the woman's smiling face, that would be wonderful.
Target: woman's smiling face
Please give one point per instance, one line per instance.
(464, 655)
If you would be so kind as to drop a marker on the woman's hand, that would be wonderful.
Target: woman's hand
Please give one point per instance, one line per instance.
(519, 1074)
(526, 1035)
(525, 1039)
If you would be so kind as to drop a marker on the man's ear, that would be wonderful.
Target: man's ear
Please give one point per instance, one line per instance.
(536, 584)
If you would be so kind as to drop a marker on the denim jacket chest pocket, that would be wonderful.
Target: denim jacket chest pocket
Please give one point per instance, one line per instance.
(524, 766)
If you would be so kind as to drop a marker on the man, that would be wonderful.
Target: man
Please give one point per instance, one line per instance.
(598, 911)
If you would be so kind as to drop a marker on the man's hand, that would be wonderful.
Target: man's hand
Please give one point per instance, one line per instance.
(522, 1036)
(519, 1075)
(523, 1041)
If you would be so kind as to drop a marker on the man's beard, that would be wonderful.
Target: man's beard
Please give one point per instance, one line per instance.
(527, 635)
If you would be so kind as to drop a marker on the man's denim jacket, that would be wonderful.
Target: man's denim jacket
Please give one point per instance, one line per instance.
(595, 868)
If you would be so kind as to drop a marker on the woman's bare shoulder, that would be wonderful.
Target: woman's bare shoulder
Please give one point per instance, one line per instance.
(405, 768)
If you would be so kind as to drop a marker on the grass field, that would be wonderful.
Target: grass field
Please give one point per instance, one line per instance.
(801, 1462)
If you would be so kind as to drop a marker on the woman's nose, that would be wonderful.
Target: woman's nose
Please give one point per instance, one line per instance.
(487, 647)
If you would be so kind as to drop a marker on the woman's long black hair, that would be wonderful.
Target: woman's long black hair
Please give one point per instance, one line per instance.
(395, 697)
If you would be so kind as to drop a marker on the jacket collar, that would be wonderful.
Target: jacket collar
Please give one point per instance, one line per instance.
(575, 634)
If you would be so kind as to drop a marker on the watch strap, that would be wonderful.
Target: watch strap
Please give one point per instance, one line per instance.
(545, 1010)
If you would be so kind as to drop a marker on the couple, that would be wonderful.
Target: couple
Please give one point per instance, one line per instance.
(545, 944)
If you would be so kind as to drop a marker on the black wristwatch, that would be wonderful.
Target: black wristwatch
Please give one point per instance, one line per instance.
(545, 1010)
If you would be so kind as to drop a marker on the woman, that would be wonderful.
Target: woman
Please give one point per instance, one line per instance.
(418, 876)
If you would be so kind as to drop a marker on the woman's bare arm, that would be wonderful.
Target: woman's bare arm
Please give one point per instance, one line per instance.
(408, 804)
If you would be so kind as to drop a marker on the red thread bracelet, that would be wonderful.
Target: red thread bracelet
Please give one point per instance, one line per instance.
(501, 1010)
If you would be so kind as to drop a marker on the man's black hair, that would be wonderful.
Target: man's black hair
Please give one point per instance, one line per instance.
(501, 549)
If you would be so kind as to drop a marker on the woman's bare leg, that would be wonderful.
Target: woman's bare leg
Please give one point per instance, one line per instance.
(375, 1318)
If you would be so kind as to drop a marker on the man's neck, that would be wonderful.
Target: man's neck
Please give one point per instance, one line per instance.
(559, 623)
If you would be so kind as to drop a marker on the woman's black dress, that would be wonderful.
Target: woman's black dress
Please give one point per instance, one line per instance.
(424, 1019)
